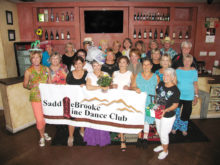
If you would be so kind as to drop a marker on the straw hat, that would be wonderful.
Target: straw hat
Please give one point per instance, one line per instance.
(88, 40)
(167, 40)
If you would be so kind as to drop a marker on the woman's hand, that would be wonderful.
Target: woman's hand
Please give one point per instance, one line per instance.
(114, 86)
(105, 88)
(82, 85)
(195, 100)
(126, 87)
(138, 90)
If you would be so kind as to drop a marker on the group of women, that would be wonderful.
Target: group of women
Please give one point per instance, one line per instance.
(133, 69)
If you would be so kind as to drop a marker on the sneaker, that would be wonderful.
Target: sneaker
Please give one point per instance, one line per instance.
(70, 141)
(42, 142)
(163, 155)
(47, 137)
(158, 149)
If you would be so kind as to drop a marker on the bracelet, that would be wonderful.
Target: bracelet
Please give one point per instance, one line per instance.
(196, 95)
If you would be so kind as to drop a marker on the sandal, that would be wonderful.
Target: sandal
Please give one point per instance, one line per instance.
(123, 146)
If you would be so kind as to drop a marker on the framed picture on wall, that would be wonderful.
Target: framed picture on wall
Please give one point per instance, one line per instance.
(9, 17)
(11, 35)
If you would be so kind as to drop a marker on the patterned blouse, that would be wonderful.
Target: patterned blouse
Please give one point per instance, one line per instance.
(59, 76)
(35, 79)
(170, 51)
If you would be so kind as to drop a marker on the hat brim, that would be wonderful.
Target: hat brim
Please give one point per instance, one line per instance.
(35, 49)
(171, 42)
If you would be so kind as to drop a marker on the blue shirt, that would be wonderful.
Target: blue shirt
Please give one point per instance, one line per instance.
(46, 59)
(159, 74)
(185, 83)
(170, 51)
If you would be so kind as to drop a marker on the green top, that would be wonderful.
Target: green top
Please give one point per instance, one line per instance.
(35, 79)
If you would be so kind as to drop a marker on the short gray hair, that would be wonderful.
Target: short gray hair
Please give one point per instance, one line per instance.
(171, 72)
(186, 43)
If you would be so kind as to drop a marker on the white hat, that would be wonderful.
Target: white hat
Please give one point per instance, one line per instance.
(167, 40)
(88, 40)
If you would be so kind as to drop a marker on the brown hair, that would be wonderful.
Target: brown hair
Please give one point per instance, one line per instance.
(143, 50)
(135, 51)
(35, 52)
(123, 57)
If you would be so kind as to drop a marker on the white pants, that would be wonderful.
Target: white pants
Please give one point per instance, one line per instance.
(164, 127)
(146, 127)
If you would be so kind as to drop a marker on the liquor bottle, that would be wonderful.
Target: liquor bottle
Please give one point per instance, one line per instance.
(158, 16)
(62, 35)
(45, 15)
(161, 34)
(135, 17)
(145, 34)
(152, 17)
(57, 35)
(168, 17)
(134, 34)
(51, 16)
(62, 17)
(57, 17)
(150, 34)
(71, 16)
(163, 17)
(51, 35)
(147, 17)
(68, 35)
(155, 34)
(67, 16)
(174, 34)
(180, 35)
(144, 18)
(46, 35)
(187, 35)
(139, 34)
(138, 17)
(166, 33)
(141, 17)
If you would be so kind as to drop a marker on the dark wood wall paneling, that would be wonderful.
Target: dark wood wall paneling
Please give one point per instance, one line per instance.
(27, 23)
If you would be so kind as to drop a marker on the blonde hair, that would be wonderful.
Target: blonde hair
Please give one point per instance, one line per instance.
(169, 58)
(103, 41)
(135, 51)
(189, 56)
(35, 52)
(54, 55)
(155, 51)
(69, 44)
(116, 43)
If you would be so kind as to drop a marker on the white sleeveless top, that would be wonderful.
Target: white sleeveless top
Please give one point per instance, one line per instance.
(93, 78)
(122, 79)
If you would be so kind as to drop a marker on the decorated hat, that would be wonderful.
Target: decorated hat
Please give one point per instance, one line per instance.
(167, 40)
(35, 46)
(88, 40)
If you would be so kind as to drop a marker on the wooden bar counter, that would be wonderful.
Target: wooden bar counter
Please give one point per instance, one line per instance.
(16, 105)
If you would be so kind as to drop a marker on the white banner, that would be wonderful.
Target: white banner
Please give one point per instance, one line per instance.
(120, 111)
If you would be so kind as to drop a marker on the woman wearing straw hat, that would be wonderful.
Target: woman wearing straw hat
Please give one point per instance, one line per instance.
(167, 42)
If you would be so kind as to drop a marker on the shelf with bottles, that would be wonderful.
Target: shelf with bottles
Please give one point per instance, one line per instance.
(151, 14)
(181, 33)
(58, 34)
(55, 15)
(150, 32)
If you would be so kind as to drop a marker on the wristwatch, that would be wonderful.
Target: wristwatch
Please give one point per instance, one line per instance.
(196, 95)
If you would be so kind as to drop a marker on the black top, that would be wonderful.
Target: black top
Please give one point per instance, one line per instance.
(167, 96)
(72, 81)
(109, 68)
(155, 67)
(68, 61)
(117, 55)
(177, 61)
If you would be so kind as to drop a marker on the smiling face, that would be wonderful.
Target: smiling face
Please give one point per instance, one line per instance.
(167, 78)
(55, 60)
(165, 62)
(78, 65)
(187, 62)
(153, 45)
(110, 56)
(96, 67)
(156, 55)
(186, 49)
(69, 48)
(139, 46)
(167, 45)
(81, 54)
(36, 59)
(116, 47)
(49, 49)
(122, 64)
(127, 44)
(134, 58)
(147, 66)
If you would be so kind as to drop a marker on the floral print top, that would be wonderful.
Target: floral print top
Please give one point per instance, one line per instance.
(35, 79)
(59, 76)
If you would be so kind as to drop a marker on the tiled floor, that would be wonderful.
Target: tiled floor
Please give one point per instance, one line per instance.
(22, 149)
